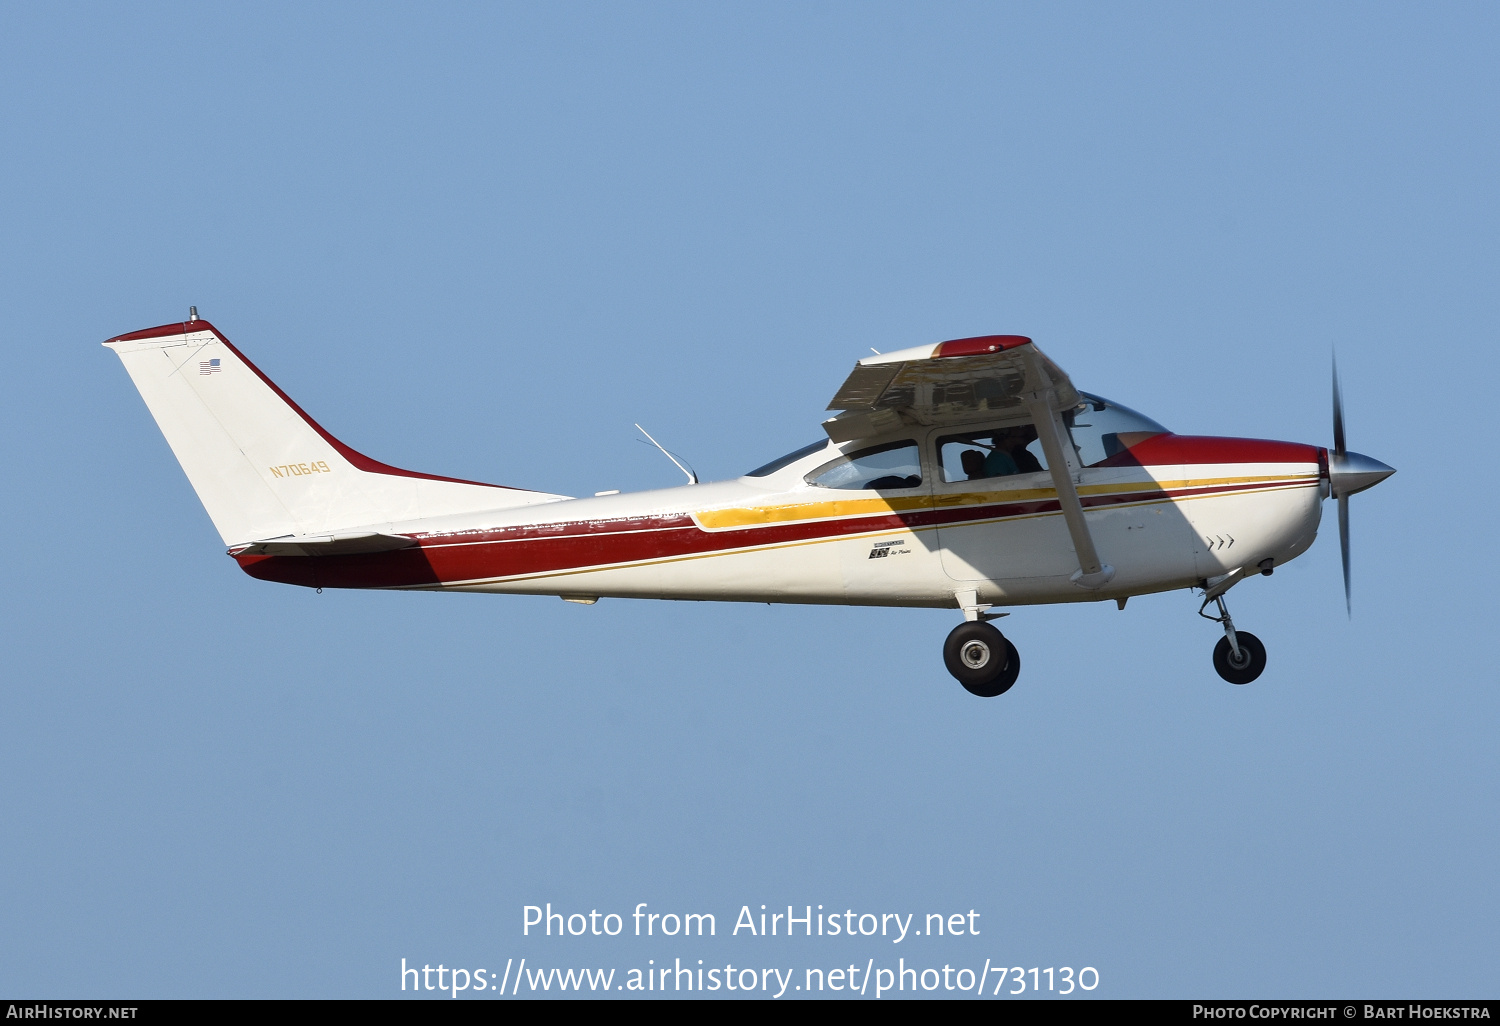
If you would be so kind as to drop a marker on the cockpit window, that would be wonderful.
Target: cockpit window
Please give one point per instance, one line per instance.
(893, 465)
(788, 459)
(1103, 429)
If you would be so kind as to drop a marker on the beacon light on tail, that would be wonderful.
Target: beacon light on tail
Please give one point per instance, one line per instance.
(968, 475)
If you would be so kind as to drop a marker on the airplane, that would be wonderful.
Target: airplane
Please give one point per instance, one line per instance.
(968, 474)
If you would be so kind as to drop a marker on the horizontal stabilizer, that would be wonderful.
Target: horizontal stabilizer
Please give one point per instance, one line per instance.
(348, 544)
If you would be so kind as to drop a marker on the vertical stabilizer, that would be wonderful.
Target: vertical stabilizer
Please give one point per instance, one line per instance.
(261, 466)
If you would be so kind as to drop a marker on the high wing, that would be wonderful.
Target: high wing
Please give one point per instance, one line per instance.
(968, 379)
(948, 383)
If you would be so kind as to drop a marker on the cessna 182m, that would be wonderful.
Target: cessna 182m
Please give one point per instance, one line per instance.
(969, 474)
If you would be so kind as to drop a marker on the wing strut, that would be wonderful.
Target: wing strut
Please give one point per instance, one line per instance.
(1041, 399)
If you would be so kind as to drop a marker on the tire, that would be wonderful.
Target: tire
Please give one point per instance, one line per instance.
(981, 659)
(1252, 651)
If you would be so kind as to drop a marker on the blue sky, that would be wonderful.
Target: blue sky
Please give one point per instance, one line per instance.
(483, 240)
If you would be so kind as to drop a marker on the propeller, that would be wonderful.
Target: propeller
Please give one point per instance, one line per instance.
(1348, 473)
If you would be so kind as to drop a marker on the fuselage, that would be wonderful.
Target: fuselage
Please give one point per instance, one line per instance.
(966, 474)
(1171, 511)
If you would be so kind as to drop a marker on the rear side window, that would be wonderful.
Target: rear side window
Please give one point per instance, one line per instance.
(789, 459)
(893, 465)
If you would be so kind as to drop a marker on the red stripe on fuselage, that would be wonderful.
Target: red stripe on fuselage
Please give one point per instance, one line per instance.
(1169, 450)
(539, 549)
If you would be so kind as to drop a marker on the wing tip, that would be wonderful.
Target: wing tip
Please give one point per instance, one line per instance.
(979, 345)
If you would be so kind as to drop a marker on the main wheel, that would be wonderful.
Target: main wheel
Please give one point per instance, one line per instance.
(1251, 662)
(981, 659)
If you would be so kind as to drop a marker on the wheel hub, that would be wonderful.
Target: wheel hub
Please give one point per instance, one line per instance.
(975, 655)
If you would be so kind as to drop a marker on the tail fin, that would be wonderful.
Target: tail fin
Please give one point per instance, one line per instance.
(263, 468)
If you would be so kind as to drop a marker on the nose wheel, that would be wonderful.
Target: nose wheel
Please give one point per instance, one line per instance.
(1243, 666)
(1239, 657)
(981, 659)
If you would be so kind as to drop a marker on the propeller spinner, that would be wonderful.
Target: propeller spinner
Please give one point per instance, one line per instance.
(1348, 473)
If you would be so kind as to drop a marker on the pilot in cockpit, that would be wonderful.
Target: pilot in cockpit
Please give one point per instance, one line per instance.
(1007, 454)
(1015, 442)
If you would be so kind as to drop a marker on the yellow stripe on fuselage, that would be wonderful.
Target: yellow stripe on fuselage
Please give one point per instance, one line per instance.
(759, 516)
(1273, 483)
(838, 509)
(1198, 482)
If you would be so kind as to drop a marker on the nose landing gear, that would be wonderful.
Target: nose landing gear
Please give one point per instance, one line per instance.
(981, 659)
(1239, 657)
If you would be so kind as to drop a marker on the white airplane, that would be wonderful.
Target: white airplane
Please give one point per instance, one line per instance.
(967, 475)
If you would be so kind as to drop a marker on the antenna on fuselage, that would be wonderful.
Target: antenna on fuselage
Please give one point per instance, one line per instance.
(691, 474)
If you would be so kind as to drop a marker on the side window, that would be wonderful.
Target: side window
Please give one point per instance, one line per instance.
(893, 465)
(991, 452)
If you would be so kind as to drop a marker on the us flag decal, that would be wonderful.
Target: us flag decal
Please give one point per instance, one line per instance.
(209, 366)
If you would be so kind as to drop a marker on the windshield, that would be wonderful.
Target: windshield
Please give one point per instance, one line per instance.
(788, 459)
(1103, 429)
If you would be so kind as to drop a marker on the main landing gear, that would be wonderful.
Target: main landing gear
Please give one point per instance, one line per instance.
(1239, 657)
(981, 659)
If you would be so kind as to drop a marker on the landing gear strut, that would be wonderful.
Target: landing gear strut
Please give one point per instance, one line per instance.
(981, 659)
(1239, 657)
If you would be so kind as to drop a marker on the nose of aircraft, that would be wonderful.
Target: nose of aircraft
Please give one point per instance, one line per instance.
(1352, 472)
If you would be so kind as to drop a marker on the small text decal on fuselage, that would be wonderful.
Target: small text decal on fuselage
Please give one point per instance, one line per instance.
(888, 548)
